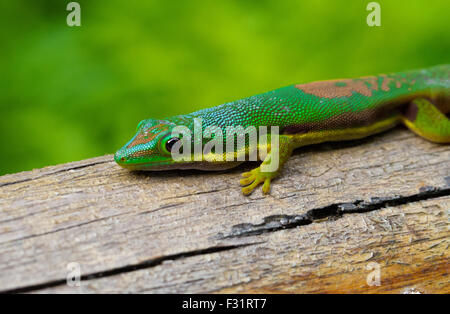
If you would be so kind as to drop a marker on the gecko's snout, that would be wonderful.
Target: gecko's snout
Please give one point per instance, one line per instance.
(120, 157)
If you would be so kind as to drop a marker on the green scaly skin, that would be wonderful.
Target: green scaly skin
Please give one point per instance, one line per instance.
(305, 114)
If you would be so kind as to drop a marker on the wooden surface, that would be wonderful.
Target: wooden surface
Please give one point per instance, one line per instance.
(340, 215)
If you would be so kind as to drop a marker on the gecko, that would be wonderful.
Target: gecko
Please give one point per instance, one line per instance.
(304, 114)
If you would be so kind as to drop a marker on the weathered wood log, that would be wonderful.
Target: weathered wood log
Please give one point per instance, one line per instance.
(360, 216)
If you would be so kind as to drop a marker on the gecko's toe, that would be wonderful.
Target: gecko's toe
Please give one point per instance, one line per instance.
(254, 178)
(266, 186)
(249, 189)
(247, 174)
(246, 181)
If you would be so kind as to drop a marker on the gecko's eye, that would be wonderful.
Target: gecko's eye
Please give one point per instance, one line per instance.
(170, 142)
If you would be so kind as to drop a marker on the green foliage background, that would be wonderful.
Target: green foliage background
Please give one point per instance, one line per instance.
(69, 93)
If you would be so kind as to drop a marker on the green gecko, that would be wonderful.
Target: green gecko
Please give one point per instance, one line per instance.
(305, 114)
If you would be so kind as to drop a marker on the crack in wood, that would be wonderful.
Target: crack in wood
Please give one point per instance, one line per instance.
(275, 223)
(130, 268)
(65, 228)
(55, 172)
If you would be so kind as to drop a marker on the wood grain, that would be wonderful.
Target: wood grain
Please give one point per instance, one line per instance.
(337, 208)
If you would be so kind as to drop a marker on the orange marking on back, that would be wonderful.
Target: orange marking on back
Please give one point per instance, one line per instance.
(328, 89)
(385, 84)
(372, 80)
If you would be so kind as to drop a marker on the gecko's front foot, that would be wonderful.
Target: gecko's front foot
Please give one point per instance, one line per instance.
(254, 178)
(280, 151)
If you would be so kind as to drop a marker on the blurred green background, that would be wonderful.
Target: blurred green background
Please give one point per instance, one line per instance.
(69, 93)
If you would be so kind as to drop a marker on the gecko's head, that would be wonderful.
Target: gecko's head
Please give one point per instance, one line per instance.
(150, 148)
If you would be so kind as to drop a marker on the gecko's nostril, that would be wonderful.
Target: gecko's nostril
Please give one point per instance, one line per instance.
(119, 157)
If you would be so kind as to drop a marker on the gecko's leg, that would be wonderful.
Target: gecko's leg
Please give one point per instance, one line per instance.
(269, 168)
(424, 119)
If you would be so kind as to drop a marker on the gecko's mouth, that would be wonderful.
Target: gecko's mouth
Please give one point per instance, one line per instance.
(123, 159)
(141, 164)
(167, 163)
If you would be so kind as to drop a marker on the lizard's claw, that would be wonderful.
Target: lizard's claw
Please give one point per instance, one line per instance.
(254, 178)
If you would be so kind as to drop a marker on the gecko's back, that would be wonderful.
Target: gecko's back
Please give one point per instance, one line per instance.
(334, 103)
